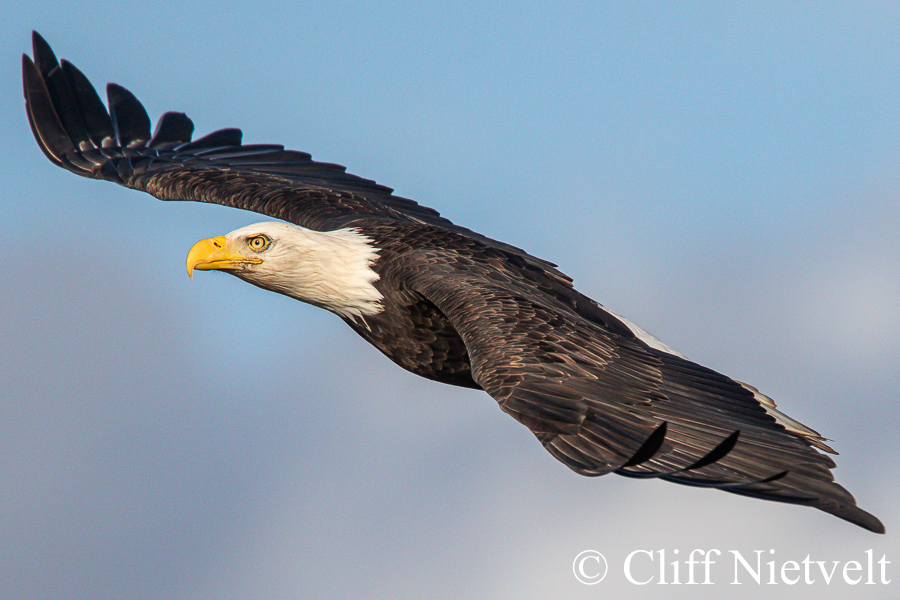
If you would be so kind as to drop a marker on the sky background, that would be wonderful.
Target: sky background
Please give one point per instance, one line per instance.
(725, 175)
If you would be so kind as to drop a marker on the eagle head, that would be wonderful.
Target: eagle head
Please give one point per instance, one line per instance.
(330, 269)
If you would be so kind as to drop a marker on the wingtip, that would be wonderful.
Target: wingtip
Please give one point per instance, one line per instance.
(130, 120)
(38, 39)
(45, 124)
(39, 43)
(28, 68)
(44, 56)
(870, 522)
(855, 515)
(172, 128)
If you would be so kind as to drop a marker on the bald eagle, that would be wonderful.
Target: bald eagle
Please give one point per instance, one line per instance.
(601, 394)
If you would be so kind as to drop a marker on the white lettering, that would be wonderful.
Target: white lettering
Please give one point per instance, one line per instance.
(581, 562)
(628, 567)
(884, 562)
(706, 563)
(663, 571)
(847, 567)
(826, 575)
(738, 557)
(789, 566)
(690, 563)
(675, 568)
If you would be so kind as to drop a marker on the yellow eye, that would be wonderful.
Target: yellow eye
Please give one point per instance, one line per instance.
(258, 243)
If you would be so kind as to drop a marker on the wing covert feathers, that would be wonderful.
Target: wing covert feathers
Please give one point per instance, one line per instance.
(601, 402)
(76, 132)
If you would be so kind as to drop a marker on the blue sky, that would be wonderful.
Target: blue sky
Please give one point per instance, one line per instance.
(724, 175)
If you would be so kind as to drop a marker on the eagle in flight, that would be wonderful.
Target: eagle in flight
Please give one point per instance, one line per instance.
(601, 394)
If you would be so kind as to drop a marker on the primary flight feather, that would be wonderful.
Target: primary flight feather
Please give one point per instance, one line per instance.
(600, 393)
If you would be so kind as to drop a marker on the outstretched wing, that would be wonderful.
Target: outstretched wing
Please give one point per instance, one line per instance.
(77, 133)
(601, 402)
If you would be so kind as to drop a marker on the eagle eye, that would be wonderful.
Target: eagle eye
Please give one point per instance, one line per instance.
(258, 243)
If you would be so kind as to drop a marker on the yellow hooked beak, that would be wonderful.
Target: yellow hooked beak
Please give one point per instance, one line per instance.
(214, 254)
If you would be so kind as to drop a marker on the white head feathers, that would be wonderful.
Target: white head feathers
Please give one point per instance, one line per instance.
(330, 269)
